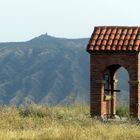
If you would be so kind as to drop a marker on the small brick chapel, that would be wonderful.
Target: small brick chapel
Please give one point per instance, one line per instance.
(112, 47)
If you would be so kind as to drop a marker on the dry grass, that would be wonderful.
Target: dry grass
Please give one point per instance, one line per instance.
(61, 123)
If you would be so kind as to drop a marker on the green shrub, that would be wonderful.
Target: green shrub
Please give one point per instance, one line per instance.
(35, 111)
(122, 111)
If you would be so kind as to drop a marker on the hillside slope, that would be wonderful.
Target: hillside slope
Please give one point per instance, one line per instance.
(44, 70)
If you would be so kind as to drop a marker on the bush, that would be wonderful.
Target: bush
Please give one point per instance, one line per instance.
(122, 111)
(34, 111)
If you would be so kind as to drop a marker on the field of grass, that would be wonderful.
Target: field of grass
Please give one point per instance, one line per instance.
(61, 123)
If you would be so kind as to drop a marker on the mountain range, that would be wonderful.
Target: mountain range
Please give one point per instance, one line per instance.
(45, 70)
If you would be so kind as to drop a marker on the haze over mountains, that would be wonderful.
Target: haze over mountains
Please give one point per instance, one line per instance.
(46, 70)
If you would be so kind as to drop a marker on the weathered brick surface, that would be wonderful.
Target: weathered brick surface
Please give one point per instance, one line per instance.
(99, 62)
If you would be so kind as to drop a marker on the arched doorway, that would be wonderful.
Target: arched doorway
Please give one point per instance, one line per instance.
(123, 97)
(116, 80)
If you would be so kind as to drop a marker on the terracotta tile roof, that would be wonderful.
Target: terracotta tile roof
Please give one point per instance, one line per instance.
(114, 38)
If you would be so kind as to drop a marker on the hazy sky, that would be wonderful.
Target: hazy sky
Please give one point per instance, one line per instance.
(21, 20)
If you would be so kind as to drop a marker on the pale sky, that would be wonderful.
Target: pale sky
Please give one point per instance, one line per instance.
(22, 20)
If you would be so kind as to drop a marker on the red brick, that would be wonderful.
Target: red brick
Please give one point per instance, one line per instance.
(99, 63)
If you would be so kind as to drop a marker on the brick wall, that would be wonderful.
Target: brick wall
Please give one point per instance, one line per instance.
(98, 64)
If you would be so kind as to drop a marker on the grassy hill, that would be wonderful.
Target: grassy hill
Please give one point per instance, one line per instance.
(61, 123)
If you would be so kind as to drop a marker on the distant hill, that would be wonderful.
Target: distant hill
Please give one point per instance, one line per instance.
(46, 70)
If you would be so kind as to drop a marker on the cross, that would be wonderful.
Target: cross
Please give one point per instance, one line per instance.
(112, 90)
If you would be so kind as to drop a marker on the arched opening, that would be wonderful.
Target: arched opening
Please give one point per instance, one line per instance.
(122, 98)
(116, 90)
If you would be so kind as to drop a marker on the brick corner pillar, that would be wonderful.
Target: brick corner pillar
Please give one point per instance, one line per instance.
(134, 98)
(134, 82)
(96, 88)
(138, 104)
(96, 99)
